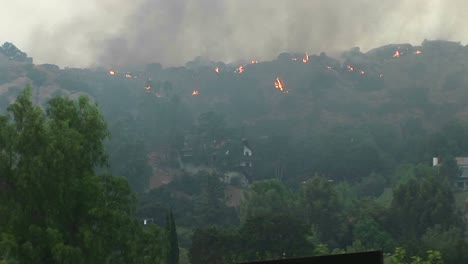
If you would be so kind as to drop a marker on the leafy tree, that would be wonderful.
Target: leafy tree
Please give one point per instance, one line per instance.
(59, 210)
(210, 204)
(268, 197)
(213, 245)
(450, 168)
(372, 235)
(399, 256)
(322, 207)
(421, 203)
(449, 242)
(274, 235)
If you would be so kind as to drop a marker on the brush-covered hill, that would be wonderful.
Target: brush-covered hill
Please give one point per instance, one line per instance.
(295, 104)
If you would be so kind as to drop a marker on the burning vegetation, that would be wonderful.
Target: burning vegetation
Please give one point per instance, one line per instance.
(240, 70)
(279, 85)
(356, 67)
(306, 58)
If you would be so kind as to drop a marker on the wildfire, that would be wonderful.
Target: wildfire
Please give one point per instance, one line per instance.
(397, 54)
(279, 85)
(195, 92)
(306, 58)
(128, 75)
(112, 72)
(418, 52)
(217, 70)
(350, 68)
(240, 69)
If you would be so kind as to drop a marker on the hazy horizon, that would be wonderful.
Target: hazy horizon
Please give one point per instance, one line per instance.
(119, 32)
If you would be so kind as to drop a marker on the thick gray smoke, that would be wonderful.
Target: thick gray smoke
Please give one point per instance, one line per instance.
(174, 31)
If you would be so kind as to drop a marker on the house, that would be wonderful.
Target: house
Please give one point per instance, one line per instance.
(246, 160)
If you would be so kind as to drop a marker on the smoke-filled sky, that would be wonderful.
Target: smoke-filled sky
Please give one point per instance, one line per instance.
(172, 32)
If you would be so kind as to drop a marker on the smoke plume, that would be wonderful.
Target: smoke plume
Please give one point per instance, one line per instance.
(172, 32)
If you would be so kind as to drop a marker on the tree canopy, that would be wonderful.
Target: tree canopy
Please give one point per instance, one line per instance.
(54, 208)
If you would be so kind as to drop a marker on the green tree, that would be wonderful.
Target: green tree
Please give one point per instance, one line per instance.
(421, 203)
(450, 168)
(399, 256)
(268, 197)
(449, 242)
(59, 209)
(372, 235)
(173, 254)
(210, 204)
(213, 245)
(274, 235)
(323, 209)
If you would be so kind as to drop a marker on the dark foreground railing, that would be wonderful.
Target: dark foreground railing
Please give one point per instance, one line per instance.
(371, 257)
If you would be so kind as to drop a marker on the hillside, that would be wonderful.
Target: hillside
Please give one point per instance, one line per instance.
(298, 98)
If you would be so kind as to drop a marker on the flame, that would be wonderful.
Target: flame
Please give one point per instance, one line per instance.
(128, 75)
(217, 70)
(240, 70)
(306, 58)
(362, 72)
(418, 52)
(195, 92)
(279, 85)
(350, 68)
(397, 54)
(112, 72)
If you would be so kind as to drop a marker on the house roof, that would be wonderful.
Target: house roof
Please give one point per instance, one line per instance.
(462, 161)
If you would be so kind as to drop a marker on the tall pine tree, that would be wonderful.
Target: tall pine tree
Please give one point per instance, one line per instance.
(173, 254)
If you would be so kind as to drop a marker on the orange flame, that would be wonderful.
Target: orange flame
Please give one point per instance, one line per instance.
(350, 68)
(306, 58)
(279, 84)
(418, 52)
(397, 54)
(240, 69)
(217, 70)
(112, 72)
(195, 92)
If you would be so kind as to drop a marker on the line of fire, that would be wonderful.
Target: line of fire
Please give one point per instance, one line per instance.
(278, 83)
